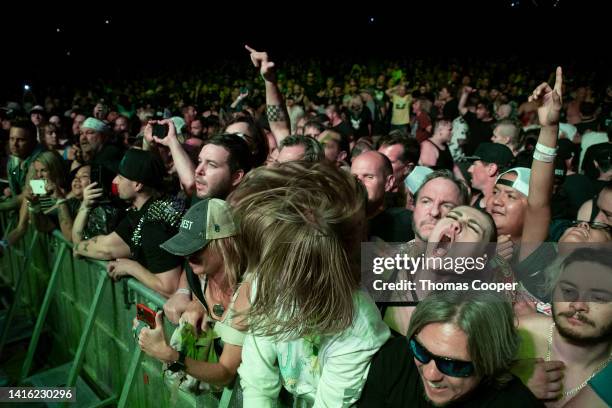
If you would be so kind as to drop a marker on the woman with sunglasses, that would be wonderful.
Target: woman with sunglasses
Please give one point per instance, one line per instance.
(459, 349)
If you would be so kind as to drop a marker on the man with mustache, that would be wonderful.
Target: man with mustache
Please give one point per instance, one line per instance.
(222, 164)
(579, 334)
(439, 194)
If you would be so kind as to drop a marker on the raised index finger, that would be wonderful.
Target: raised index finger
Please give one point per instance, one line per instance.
(249, 48)
(559, 81)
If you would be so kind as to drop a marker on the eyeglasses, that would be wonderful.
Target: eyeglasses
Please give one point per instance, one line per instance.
(448, 366)
(593, 225)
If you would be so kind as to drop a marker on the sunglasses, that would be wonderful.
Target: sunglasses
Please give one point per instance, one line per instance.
(448, 366)
(593, 225)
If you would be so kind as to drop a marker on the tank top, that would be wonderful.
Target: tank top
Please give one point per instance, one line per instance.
(445, 159)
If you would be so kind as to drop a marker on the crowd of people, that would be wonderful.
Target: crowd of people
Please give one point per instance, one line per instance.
(245, 202)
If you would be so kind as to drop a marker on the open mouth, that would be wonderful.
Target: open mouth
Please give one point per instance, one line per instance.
(443, 245)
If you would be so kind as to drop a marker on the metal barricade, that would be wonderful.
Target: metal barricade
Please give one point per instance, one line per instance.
(88, 318)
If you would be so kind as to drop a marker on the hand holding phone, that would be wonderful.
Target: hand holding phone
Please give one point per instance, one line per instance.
(39, 187)
(160, 130)
(145, 314)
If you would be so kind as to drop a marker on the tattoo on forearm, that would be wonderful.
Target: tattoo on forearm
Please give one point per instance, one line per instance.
(275, 113)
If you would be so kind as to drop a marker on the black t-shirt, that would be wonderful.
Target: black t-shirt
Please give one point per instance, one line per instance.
(360, 123)
(345, 130)
(394, 381)
(153, 233)
(392, 225)
(451, 109)
(577, 188)
(586, 126)
(479, 132)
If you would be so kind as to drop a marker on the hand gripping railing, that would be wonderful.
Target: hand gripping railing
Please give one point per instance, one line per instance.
(147, 294)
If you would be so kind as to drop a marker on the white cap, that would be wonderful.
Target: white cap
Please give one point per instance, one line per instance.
(415, 179)
(521, 183)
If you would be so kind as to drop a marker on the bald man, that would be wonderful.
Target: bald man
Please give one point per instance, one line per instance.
(375, 171)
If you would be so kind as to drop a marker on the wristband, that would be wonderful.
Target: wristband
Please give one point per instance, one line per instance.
(551, 151)
(184, 291)
(539, 156)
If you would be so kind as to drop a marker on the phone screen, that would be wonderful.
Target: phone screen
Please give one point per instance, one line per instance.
(38, 187)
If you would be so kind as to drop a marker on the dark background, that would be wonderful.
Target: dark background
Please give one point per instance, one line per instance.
(141, 37)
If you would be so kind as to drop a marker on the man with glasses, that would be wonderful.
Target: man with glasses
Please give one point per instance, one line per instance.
(449, 357)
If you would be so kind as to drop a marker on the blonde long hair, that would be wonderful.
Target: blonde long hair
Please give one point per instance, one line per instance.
(300, 229)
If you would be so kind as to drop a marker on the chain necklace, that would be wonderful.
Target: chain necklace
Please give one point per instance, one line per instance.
(575, 390)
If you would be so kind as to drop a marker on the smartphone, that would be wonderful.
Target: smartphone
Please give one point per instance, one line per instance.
(144, 314)
(39, 187)
(160, 130)
(97, 175)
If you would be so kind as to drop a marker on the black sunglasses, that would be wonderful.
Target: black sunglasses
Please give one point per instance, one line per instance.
(593, 225)
(448, 366)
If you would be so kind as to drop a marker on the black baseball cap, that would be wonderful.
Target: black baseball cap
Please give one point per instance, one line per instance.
(142, 166)
(493, 153)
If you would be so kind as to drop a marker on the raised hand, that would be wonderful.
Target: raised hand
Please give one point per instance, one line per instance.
(549, 100)
(90, 194)
(170, 137)
(260, 60)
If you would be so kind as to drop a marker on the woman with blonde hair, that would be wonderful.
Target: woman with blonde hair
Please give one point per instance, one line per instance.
(311, 327)
(46, 209)
(214, 274)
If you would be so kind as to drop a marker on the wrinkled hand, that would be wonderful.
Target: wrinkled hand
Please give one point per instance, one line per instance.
(121, 267)
(176, 305)
(90, 194)
(546, 380)
(195, 314)
(260, 60)
(505, 247)
(549, 100)
(153, 341)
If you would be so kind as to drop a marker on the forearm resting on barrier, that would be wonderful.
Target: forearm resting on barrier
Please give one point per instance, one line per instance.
(164, 283)
(103, 247)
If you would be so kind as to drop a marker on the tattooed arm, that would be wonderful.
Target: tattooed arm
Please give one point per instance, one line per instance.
(103, 247)
(276, 111)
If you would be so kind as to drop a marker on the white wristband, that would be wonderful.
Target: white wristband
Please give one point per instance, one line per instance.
(539, 156)
(551, 151)
(184, 291)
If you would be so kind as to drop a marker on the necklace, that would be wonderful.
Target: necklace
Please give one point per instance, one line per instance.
(575, 390)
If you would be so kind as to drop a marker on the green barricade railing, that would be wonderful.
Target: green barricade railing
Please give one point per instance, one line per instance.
(89, 320)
